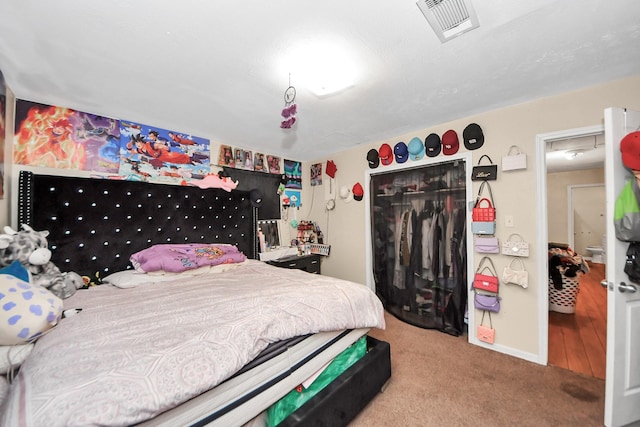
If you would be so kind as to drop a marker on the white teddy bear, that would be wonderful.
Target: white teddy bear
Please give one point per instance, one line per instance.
(30, 248)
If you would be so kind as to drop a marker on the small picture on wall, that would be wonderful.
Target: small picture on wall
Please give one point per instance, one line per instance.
(239, 159)
(259, 163)
(316, 174)
(293, 196)
(226, 156)
(274, 164)
(248, 160)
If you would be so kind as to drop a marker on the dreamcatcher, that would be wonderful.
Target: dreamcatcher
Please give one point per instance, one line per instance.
(290, 107)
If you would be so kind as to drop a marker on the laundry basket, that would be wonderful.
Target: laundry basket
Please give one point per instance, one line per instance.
(564, 300)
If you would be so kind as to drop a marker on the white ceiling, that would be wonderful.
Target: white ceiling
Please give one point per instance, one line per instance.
(218, 70)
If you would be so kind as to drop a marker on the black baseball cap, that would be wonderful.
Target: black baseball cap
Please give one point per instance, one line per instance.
(432, 145)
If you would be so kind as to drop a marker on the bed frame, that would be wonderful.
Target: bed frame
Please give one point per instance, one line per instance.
(96, 224)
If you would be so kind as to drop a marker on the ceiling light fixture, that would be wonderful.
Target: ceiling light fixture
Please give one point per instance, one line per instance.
(325, 68)
(572, 154)
(449, 18)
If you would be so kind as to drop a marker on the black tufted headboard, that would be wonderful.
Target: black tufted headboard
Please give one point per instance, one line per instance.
(96, 224)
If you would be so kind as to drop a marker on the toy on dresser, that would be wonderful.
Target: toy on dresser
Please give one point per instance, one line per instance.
(30, 248)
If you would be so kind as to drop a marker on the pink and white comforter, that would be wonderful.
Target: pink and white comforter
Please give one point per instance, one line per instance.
(134, 353)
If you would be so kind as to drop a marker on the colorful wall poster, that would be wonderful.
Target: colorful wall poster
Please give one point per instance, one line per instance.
(3, 129)
(293, 173)
(58, 137)
(294, 198)
(152, 153)
(316, 174)
(259, 163)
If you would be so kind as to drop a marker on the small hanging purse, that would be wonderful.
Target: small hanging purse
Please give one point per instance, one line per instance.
(486, 333)
(483, 217)
(515, 277)
(512, 162)
(486, 282)
(515, 247)
(486, 245)
(484, 172)
(486, 302)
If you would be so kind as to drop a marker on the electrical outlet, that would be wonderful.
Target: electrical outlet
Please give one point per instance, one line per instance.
(508, 220)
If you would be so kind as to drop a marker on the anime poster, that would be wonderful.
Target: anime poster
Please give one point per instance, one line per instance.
(293, 173)
(274, 164)
(316, 174)
(226, 156)
(259, 163)
(293, 197)
(58, 137)
(3, 112)
(151, 153)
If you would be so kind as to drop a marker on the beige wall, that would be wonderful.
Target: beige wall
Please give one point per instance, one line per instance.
(557, 203)
(515, 193)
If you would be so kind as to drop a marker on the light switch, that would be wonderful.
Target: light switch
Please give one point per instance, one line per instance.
(508, 220)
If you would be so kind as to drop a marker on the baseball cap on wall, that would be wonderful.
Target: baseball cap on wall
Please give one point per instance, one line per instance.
(373, 159)
(630, 149)
(473, 136)
(416, 149)
(450, 143)
(346, 194)
(385, 154)
(432, 145)
(358, 192)
(401, 152)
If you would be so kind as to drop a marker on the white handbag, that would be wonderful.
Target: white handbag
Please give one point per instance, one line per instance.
(515, 247)
(512, 162)
(515, 277)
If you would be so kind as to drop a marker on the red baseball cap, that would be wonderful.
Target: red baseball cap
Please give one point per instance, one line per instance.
(357, 191)
(630, 148)
(450, 143)
(386, 154)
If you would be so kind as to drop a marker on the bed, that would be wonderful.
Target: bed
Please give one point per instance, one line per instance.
(206, 348)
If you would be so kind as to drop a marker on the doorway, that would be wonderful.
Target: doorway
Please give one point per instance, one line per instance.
(566, 335)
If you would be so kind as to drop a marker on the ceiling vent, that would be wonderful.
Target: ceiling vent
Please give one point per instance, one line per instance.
(449, 18)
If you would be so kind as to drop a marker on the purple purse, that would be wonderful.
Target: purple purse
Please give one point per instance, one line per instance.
(486, 302)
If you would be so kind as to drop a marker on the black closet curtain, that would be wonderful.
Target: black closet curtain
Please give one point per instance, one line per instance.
(418, 222)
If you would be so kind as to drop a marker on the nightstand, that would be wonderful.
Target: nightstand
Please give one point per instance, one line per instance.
(308, 263)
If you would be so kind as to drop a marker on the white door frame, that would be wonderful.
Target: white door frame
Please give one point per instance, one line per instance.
(543, 229)
(570, 215)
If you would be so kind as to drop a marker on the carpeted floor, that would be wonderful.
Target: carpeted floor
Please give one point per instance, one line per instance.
(441, 380)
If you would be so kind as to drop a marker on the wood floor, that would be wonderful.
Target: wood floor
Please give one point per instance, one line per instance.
(578, 341)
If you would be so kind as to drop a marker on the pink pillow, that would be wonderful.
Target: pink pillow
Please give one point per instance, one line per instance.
(181, 257)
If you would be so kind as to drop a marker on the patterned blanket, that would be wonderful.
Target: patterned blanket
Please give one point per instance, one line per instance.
(131, 354)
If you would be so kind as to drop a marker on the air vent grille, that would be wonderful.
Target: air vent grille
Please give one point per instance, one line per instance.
(449, 18)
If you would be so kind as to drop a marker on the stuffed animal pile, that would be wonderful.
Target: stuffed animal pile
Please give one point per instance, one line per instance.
(30, 248)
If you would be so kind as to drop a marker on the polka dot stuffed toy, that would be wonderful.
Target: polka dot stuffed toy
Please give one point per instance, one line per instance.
(26, 310)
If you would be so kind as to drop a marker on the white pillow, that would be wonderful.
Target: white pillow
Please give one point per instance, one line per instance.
(205, 269)
(129, 279)
(13, 356)
(132, 278)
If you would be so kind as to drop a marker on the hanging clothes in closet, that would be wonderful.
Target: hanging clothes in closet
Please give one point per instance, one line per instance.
(418, 222)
